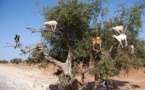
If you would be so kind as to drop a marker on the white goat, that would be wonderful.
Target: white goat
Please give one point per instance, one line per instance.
(120, 38)
(52, 24)
(118, 29)
(131, 47)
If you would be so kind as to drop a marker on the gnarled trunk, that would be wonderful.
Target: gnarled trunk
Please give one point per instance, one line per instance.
(66, 67)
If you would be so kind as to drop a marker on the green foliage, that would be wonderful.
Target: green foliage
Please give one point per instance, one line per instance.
(75, 70)
(31, 61)
(73, 20)
(81, 21)
(121, 59)
(140, 48)
(83, 48)
(110, 66)
(37, 58)
(16, 60)
(104, 69)
(136, 13)
(123, 62)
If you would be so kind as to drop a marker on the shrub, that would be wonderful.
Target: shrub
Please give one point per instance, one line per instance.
(16, 60)
(3, 61)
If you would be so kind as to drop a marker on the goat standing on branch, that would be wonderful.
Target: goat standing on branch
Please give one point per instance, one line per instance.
(131, 49)
(118, 29)
(17, 38)
(52, 24)
(98, 41)
(120, 38)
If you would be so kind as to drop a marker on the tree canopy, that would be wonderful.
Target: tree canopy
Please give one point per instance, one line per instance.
(80, 22)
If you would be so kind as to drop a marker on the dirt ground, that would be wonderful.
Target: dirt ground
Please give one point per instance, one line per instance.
(32, 75)
(134, 80)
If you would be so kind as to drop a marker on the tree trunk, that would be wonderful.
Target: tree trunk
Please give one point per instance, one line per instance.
(66, 67)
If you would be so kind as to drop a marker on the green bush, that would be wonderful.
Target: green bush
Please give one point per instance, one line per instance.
(16, 60)
(3, 61)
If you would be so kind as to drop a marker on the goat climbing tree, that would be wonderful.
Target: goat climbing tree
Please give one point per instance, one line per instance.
(71, 41)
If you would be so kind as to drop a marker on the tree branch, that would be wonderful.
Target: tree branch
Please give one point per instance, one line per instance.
(33, 30)
(40, 48)
(41, 31)
(25, 51)
(66, 67)
(20, 47)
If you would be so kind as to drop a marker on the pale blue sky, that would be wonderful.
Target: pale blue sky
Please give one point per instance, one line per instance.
(16, 15)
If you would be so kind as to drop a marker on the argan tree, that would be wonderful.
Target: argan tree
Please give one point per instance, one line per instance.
(78, 23)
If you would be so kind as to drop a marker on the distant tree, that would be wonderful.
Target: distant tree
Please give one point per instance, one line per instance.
(16, 60)
(3, 61)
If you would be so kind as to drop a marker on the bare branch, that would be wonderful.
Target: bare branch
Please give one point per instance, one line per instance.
(33, 30)
(40, 48)
(51, 59)
(55, 32)
(9, 45)
(20, 47)
(25, 51)
(127, 24)
(109, 51)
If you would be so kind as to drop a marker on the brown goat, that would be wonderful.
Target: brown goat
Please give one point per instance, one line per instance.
(98, 41)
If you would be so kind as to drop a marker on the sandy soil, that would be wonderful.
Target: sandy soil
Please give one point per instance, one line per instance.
(35, 78)
(38, 78)
(134, 80)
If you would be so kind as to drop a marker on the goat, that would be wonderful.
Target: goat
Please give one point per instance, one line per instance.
(17, 38)
(120, 38)
(105, 85)
(98, 41)
(131, 49)
(51, 24)
(118, 29)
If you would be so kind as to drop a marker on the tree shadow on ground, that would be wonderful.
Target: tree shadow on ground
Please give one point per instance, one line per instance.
(135, 86)
(58, 86)
(114, 85)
